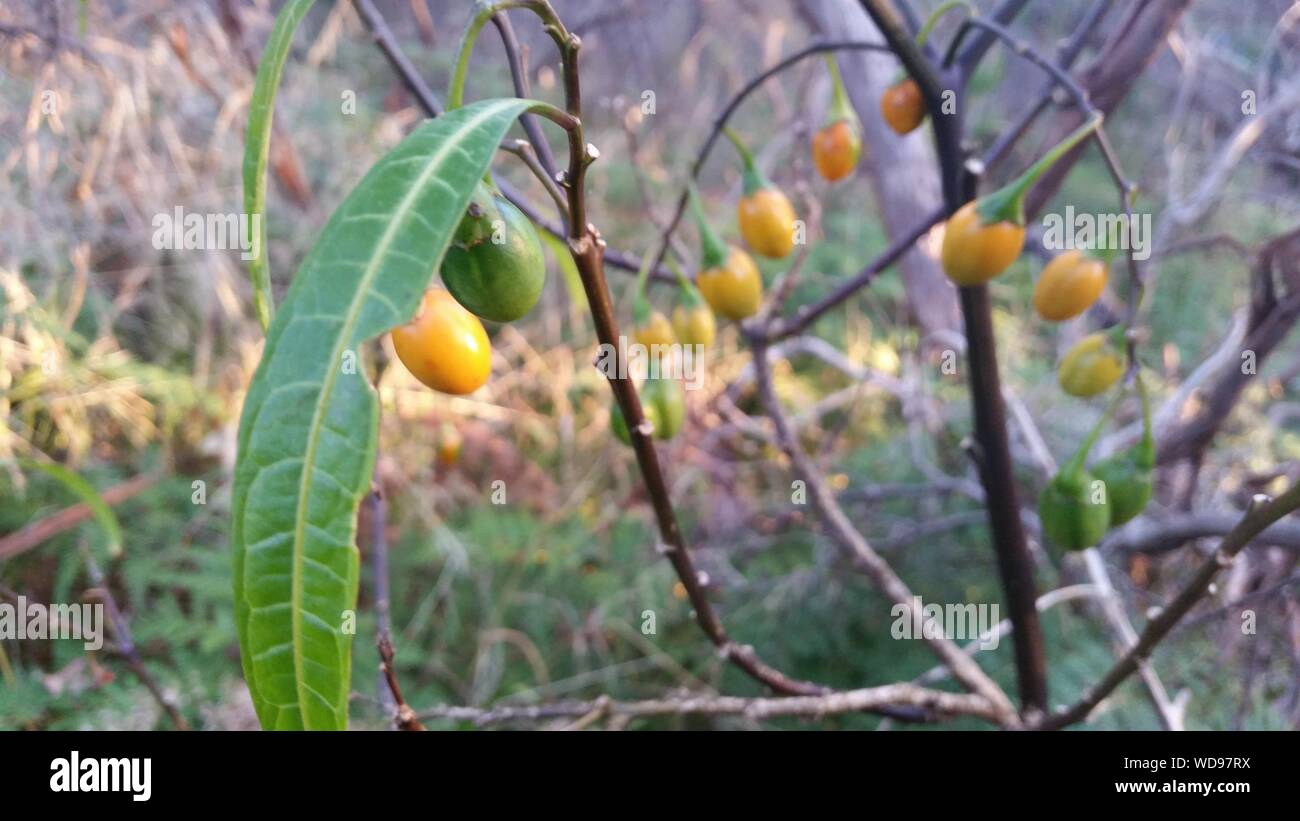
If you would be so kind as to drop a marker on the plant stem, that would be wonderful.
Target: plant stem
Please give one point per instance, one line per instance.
(997, 474)
(713, 251)
(690, 295)
(840, 108)
(1080, 458)
(937, 15)
(588, 252)
(456, 88)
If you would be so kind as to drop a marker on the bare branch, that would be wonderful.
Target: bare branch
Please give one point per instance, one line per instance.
(934, 703)
(126, 645)
(855, 547)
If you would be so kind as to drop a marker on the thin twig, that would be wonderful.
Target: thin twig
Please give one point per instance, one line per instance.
(126, 645)
(519, 76)
(856, 547)
(1065, 57)
(379, 570)
(806, 315)
(524, 151)
(405, 718)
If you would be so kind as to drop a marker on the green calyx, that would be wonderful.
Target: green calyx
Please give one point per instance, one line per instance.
(713, 251)
(480, 215)
(840, 108)
(689, 294)
(1007, 204)
(754, 180)
(1117, 337)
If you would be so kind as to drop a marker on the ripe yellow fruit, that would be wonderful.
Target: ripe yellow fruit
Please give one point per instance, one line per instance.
(1069, 284)
(733, 289)
(654, 331)
(1091, 366)
(444, 346)
(767, 220)
(974, 251)
(695, 325)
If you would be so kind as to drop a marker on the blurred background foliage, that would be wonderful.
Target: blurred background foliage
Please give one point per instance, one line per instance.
(121, 361)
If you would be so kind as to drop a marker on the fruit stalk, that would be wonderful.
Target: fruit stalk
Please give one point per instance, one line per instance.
(840, 108)
(713, 251)
(1007, 204)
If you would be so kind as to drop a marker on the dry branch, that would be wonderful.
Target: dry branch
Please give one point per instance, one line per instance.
(872, 699)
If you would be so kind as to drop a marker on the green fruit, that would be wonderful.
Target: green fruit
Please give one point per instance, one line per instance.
(1128, 486)
(662, 403)
(1128, 475)
(619, 424)
(1074, 510)
(494, 266)
(666, 397)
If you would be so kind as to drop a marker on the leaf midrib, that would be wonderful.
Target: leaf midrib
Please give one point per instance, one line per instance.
(327, 388)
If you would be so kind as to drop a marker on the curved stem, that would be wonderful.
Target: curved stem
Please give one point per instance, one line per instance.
(937, 15)
(713, 251)
(523, 149)
(519, 77)
(930, 22)
(841, 108)
(456, 88)
(1080, 458)
(746, 156)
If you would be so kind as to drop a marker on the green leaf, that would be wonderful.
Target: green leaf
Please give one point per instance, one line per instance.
(87, 493)
(257, 147)
(310, 419)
